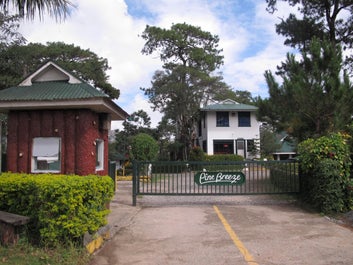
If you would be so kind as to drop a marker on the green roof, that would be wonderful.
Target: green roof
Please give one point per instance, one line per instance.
(47, 91)
(229, 107)
(287, 144)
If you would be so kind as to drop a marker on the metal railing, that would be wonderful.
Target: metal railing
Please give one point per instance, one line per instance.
(215, 178)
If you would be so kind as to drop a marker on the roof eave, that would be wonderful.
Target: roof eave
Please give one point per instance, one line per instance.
(99, 105)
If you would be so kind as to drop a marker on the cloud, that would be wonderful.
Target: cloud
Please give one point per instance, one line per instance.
(111, 29)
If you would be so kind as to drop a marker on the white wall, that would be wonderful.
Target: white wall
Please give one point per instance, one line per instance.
(211, 132)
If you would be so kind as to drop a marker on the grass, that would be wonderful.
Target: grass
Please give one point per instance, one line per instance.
(24, 253)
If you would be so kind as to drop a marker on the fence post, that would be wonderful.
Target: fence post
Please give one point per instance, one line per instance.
(134, 182)
(112, 172)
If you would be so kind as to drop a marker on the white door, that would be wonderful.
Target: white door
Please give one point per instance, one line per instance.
(240, 147)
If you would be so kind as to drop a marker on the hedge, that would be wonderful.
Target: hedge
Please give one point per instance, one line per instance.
(61, 207)
(325, 171)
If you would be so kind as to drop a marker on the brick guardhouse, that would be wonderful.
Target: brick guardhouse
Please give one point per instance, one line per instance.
(58, 124)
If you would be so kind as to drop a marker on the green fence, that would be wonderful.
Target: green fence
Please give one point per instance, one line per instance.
(215, 178)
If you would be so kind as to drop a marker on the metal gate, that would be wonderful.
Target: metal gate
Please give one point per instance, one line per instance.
(215, 178)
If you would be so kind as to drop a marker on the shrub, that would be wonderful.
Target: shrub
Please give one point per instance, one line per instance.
(144, 147)
(62, 208)
(197, 154)
(325, 169)
(224, 158)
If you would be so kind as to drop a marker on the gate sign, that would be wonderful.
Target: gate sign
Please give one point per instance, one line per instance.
(219, 178)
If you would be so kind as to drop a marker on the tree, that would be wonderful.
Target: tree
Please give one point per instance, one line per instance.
(314, 98)
(190, 57)
(8, 30)
(144, 147)
(29, 9)
(138, 122)
(268, 142)
(16, 62)
(325, 19)
(240, 96)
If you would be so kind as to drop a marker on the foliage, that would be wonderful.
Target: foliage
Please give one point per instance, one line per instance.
(144, 147)
(327, 19)
(190, 55)
(138, 122)
(313, 99)
(29, 9)
(25, 253)
(325, 169)
(268, 142)
(240, 96)
(62, 208)
(16, 62)
(9, 34)
(223, 158)
(197, 154)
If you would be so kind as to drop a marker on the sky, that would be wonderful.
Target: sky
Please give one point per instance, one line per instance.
(112, 29)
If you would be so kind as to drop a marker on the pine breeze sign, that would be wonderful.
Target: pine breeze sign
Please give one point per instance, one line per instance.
(219, 178)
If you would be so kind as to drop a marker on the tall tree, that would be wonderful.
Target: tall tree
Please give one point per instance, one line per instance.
(16, 62)
(324, 19)
(29, 9)
(314, 98)
(190, 57)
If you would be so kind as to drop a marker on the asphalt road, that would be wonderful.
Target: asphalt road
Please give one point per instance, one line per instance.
(245, 230)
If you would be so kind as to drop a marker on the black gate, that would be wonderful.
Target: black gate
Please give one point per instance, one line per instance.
(215, 178)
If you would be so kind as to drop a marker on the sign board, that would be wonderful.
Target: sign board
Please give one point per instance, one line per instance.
(219, 178)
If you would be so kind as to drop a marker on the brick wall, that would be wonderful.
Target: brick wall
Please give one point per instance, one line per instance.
(78, 130)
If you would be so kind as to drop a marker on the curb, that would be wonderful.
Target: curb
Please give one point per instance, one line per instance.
(95, 242)
(121, 216)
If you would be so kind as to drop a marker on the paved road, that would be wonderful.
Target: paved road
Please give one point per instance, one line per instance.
(225, 230)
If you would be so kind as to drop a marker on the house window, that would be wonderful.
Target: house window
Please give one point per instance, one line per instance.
(46, 154)
(244, 119)
(99, 154)
(251, 146)
(222, 119)
(223, 147)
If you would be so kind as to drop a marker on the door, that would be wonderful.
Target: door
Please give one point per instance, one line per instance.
(240, 150)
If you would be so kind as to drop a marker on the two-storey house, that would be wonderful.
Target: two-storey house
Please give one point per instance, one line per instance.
(229, 128)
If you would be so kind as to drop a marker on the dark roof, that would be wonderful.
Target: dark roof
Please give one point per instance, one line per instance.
(47, 91)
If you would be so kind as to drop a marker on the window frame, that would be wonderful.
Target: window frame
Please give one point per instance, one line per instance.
(51, 158)
(244, 119)
(99, 154)
(222, 119)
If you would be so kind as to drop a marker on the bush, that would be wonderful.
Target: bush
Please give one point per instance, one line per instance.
(223, 158)
(62, 208)
(197, 154)
(325, 170)
(144, 147)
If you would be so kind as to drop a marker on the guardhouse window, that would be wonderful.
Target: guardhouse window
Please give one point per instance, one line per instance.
(46, 154)
(99, 154)
(222, 119)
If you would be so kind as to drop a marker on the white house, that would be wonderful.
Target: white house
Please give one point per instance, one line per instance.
(229, 128)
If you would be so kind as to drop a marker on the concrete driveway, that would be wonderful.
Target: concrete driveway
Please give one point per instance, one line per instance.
(245, 230)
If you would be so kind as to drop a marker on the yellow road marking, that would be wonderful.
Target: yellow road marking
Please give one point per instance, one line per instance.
(247, 256)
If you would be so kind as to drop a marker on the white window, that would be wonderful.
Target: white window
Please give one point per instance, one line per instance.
(46, 154)
(99, 154)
